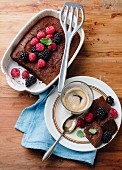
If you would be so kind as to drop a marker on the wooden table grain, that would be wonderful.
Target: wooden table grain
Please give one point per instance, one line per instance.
(100, 57)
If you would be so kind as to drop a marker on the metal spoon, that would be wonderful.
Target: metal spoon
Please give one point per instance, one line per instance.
(68, 127)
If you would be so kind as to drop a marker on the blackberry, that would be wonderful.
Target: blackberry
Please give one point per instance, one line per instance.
(24, 56)
(44, 55)
(34, 50)
(30, 81)
(110, 100)
(102, 113)
(106, 137)
(57, 38)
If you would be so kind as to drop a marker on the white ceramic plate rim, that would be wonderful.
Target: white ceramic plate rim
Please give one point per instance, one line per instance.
(54, 132)
(18, 37)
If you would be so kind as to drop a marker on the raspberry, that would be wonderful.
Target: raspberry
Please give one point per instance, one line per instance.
(89, 117)
(39, 47)
(15, 72)
(113, 112)
(52, 47)
(25, 74)
(34, 41)
(50, 30)
(32, 57)
(49, 36)
(80, 123)
(41, 34)
(41, 63)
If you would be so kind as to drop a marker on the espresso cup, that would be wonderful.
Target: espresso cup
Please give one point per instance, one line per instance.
(77, 97)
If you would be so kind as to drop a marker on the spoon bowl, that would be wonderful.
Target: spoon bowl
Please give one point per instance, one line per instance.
(69, 126)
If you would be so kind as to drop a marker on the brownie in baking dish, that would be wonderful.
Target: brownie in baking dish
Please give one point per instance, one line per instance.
(52, 68)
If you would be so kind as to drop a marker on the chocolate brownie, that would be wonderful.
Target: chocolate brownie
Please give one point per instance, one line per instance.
(95, 139)
(52, 68)
(99, 102)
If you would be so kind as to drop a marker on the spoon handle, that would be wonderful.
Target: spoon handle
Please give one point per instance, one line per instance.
(50, 150)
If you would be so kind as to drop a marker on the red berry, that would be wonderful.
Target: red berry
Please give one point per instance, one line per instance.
(39, 47)
(52, 47)
(15, 72)
(25, 74)
(41, 63)
(80, 123)
(89, 117)
(41, 34)
(50, 30)
(32, 57)
(49, 36)
(113, 112)
(34, 41)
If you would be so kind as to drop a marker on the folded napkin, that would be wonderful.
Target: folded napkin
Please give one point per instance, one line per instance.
(36, 135)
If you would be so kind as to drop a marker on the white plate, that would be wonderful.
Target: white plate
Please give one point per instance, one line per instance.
(55, 114)
(7, 63)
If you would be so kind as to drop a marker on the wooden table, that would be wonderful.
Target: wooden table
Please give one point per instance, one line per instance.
(100, 57)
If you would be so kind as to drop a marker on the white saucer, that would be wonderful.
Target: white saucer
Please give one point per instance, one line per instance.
(56, 114)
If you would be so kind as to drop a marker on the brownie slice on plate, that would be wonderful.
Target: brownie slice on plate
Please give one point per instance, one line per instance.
(99, 102)
(95, 139)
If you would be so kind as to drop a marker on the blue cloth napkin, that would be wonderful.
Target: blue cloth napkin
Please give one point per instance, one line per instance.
(36, 135)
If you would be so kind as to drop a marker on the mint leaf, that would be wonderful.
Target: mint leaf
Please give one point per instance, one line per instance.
(46, 41)
(93, 131)
(43, 40)
(49, 42)
(80, 134)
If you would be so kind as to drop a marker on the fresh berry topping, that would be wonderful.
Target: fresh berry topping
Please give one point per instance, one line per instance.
(89, 117)
(113, 112)
(24, 56)
(15, 72)
(80, 123)
(25, 74)
(30, 81)
(102, 113)
(41, 63)
(34, 49)
(34, 41)
(110, 100)
(44, 55)
(57, 38)
(49, 36)
(52, 47)
(106, 137)
(32, 57)
(41, 34)
(39, 47)
(50, 30)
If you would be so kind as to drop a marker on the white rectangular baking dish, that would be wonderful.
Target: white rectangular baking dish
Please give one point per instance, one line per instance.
(7, 63)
